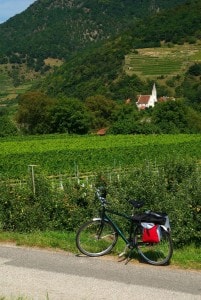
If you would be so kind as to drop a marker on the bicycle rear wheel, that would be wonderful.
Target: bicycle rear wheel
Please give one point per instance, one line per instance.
(154, 253)
(96, 237)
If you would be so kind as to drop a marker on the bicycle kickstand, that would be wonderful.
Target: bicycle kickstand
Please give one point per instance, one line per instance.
(125, 255)
(129, 257)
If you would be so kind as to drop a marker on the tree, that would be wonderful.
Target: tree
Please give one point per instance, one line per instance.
(175, 117)
(33, 112)
(195, 69)
(39, 114)
(194, 120)
(7, 127)
(125, 119)
(69, 115)
(126, 87)
(191, 87)
(102, 110)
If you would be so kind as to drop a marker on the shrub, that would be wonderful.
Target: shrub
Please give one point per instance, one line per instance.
(7, 127)
(174, 188)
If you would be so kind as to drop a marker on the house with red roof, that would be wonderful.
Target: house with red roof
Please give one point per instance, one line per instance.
(146, 101)
(102, 131)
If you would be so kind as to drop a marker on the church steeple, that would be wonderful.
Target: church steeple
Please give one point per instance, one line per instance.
(154, 93)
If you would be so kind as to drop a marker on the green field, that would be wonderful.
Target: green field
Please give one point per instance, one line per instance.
(162, 61)
(63, 154)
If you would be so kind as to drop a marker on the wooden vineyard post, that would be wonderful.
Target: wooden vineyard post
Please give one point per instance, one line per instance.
(33, 178)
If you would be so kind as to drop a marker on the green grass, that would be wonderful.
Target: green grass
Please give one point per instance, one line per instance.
(188, 257)
(56, 240)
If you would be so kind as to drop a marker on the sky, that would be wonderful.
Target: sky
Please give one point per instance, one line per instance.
(9, 8)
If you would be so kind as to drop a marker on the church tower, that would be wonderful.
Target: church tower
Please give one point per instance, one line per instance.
(154, 94)
(152, 97)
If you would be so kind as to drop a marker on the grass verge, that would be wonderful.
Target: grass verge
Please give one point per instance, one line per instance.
(188, 257)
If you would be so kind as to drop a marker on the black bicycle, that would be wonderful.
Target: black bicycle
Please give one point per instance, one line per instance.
(149, 234)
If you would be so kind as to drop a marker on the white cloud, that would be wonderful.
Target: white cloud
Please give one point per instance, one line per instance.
(9, 8)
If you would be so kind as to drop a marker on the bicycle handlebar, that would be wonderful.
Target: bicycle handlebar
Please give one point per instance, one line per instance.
(100, 197)
(99, 192)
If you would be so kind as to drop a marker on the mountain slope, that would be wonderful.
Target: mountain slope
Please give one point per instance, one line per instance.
(58, 29)
(101, 71)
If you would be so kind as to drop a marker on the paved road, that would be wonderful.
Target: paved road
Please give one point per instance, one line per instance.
(42, 274)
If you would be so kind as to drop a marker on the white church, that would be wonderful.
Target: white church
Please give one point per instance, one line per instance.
(146, 101)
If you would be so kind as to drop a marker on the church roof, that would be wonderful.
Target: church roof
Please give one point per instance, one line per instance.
(143, 99)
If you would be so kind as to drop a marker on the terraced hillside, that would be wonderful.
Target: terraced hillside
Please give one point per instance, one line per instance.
(167, 61)
(8, 89)
(5, 84)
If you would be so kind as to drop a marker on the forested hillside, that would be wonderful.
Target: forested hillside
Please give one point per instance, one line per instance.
(88, 92)
(100, 71)
(58, 29)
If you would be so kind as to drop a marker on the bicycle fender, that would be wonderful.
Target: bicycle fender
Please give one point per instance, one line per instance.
(96, 219)
(99, 219)
(165, 228)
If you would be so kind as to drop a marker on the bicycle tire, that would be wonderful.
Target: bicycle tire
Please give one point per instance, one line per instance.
(96, 238)
(158, 254)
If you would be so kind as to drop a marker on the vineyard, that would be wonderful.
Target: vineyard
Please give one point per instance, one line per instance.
(70, 155)
(162, 61)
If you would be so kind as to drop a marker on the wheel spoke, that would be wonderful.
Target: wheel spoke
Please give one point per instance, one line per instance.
(96, 238)
(154, 253)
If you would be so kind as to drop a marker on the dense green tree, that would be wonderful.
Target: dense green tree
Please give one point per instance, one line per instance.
(33, 112)
(69, 115)
(39, 114)
(194, 120)
(195, 69)
(3, 59)
(126, 87)
(191, 86)
(102, 110)
(7, 126)
(126, 118)
(175, 117)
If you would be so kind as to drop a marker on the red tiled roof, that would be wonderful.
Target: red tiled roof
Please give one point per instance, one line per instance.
(102, 131)
(143, 99)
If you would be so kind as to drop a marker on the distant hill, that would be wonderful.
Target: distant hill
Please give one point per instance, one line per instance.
(58, 29)
(102, 70)
(96, 38)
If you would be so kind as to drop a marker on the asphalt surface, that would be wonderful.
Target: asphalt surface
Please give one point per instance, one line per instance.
(42, 274)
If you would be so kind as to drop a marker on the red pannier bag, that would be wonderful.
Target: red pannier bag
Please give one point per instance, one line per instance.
(151, 235)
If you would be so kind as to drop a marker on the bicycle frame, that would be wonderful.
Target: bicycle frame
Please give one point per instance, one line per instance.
(104, 216)
(98, 236)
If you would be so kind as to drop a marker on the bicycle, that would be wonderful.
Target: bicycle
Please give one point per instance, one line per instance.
(98, 236)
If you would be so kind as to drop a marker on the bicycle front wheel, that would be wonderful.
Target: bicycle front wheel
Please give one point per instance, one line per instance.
(155, 253)
(96, 237)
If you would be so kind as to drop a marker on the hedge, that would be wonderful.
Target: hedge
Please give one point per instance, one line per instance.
(174, 188)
